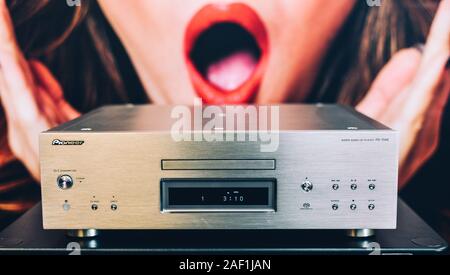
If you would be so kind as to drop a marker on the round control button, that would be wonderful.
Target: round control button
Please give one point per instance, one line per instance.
(353, 186)
(371, 206)
(335, 186)
(113, 207)
(65, 182)
(353, 206)
(66, 206)
(371, 186)
(94, 206)
(307, 186)
(335, 207)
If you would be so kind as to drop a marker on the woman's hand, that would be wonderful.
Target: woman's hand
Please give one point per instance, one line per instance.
(410, 95)
(31, 97)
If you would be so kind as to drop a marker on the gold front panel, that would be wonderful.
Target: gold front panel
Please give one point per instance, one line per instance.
(117, 180)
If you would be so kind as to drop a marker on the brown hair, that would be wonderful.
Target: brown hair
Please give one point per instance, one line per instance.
(81, 49)
(83, 52)
(368, 40)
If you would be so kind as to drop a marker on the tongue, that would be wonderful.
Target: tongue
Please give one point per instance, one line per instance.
(230, 72)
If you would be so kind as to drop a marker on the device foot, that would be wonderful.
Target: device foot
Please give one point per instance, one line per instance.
(82, 233)
(360, 233)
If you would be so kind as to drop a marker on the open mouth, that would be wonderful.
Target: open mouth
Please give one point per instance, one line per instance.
(226, 49)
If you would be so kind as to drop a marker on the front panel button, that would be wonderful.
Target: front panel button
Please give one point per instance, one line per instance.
(353, 206)
(335, 207)
(371, 186)
(371, 206)
(113, 207)
(66, 206)
(94, 207)
(307, 186)
(65, 182)
(335, 186)
(353, 186)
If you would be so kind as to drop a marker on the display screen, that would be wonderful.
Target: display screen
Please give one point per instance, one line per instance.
(205, 195)
(219, 196)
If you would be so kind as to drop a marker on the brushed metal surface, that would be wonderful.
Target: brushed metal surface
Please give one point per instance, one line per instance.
(360, 233)
(124, 168)
(218, 164)
(83, 233)
(293, 117)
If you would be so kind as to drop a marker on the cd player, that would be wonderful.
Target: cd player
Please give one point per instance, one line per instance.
(219, 167)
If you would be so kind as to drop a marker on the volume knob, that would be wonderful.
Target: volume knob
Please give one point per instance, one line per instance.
(65, 182)
(307, 186)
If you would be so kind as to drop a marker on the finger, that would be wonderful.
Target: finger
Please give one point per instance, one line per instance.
(432, 68)
(438, 43)
(441, 100)
(2, 83)
(46, 79)
(54, 89)
(17, 95)
(429, 135)
(55, 112)
(47, 107)
(395, 77)
(68, 111)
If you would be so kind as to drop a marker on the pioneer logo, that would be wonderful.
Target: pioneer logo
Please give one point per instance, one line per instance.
(58, 142)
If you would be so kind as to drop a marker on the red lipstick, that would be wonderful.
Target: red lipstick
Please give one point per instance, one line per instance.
(226, 52)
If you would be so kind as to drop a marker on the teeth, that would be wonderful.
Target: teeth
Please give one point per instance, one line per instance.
(232, 71)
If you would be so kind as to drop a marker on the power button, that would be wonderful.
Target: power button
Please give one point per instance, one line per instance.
(65, 182)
